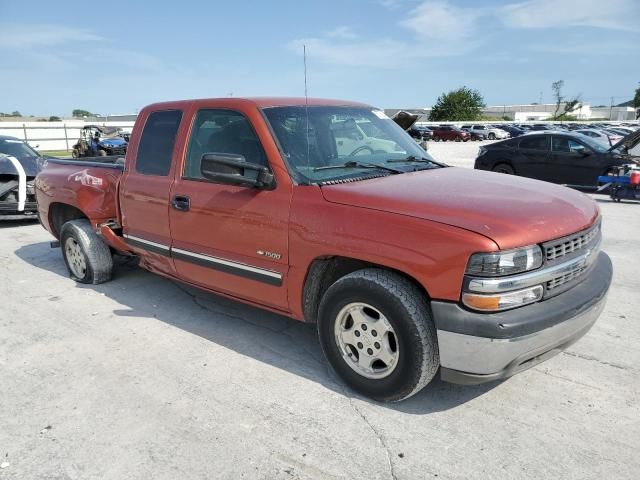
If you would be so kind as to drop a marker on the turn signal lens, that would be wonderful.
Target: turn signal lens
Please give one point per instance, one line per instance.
(502, 301)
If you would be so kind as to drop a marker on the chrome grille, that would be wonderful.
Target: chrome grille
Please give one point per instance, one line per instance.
(567, 277)
(571, 244)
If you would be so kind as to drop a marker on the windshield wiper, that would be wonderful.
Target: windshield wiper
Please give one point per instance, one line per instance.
(354, 164)
(414, 159)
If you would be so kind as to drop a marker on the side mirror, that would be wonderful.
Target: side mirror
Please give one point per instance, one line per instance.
(232, 169)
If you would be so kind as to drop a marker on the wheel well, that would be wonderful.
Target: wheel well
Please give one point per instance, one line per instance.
(324, 272)
(60, 213)
(502, 162)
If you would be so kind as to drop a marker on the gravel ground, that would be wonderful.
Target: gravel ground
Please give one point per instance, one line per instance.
(145, 378)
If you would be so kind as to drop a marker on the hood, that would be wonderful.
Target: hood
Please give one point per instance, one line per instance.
(512, 211)
(405, 119)
(29, 164)
(628, 142)
(113, 142)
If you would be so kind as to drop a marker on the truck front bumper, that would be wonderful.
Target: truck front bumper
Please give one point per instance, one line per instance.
(477, 347)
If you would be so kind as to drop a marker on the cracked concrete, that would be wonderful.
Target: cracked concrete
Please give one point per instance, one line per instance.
(147, 378)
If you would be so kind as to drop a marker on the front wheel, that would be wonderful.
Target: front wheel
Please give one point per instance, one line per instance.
(376, 331)
(87, 257)
(504, 168)
(492, 136)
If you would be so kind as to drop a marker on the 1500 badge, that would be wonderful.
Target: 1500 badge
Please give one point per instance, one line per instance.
(275, 256)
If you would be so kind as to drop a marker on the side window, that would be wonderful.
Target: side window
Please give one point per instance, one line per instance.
(562, 144)
(222, 131)
(156, 145)
(535, 142)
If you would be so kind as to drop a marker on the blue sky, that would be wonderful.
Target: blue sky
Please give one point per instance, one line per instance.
(117, 56)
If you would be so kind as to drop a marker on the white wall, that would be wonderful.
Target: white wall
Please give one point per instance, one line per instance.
(53, 135)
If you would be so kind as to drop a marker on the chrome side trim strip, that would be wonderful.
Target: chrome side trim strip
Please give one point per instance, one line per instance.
(537, 277)
(228, 263)
(146, 242)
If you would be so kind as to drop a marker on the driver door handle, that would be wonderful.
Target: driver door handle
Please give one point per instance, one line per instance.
(181, 202)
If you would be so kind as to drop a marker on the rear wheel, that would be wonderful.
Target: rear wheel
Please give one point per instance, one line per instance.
(492, 136)
(376, 331)
(102, 153)
(458, 139)
(504, 168)
(87, 257)
(75, 153)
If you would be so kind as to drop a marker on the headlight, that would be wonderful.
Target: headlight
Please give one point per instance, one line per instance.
(503, 263)
(503, 301)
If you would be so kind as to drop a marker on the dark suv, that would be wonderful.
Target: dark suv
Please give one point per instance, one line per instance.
(450, 132)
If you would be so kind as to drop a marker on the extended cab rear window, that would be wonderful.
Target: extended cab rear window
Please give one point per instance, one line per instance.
(156, 145)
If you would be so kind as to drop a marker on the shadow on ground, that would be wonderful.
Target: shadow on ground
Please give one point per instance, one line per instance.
(264, 336)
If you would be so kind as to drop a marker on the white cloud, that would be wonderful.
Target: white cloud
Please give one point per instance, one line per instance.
(439, 20)
(14, 36)
(343, 32)
(377, 53)
(432, 20)
(391, 4)
(609, 14)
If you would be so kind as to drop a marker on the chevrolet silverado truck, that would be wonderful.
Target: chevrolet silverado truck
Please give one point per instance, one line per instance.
(406, 266)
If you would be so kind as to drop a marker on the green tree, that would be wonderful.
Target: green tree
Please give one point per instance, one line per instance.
(79, 113)
(16, 113)
(636, 103)
(53, 118)
(458, 105)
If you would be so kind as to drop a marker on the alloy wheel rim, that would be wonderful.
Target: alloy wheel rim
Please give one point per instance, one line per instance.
(75, 258)
(366, 340)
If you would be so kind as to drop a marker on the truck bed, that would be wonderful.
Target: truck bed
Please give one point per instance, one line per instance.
(89, 185)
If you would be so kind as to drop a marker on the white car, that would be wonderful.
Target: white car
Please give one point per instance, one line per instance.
(608, 138)
(490, 132)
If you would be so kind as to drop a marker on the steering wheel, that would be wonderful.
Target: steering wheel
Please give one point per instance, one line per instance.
(361, 149)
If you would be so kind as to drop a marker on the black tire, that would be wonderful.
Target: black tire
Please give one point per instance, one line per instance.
(436, 139)
(458, 139)
(75, 153)
(95, 253)
(504, 168)
(102, 153)
(406, 309)
(492, 136)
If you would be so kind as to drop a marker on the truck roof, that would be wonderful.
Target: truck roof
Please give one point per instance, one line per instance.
(259, 102)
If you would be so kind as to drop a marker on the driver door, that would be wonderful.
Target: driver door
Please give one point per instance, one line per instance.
(227, 238)
(572, 162)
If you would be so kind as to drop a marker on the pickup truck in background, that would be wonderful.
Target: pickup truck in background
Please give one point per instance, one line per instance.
(408, 267)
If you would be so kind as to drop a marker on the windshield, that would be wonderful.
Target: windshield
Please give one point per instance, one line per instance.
(358, 136)
(26, 155)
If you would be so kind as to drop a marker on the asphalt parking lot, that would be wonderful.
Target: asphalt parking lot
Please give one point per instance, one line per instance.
(145, 378)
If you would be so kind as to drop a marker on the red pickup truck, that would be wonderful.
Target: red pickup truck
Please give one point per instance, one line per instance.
(328, 212)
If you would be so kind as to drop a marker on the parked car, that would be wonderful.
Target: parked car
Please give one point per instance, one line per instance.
(476, 136)
(512, 131)
(604, 136)
(537, 127)
(450, 132)
(621, 130)
(491, 133)
(19, 164)
(566, 158)
(420, 130)
(405, 270)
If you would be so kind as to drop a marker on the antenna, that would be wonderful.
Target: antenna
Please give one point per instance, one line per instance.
(306, 101)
